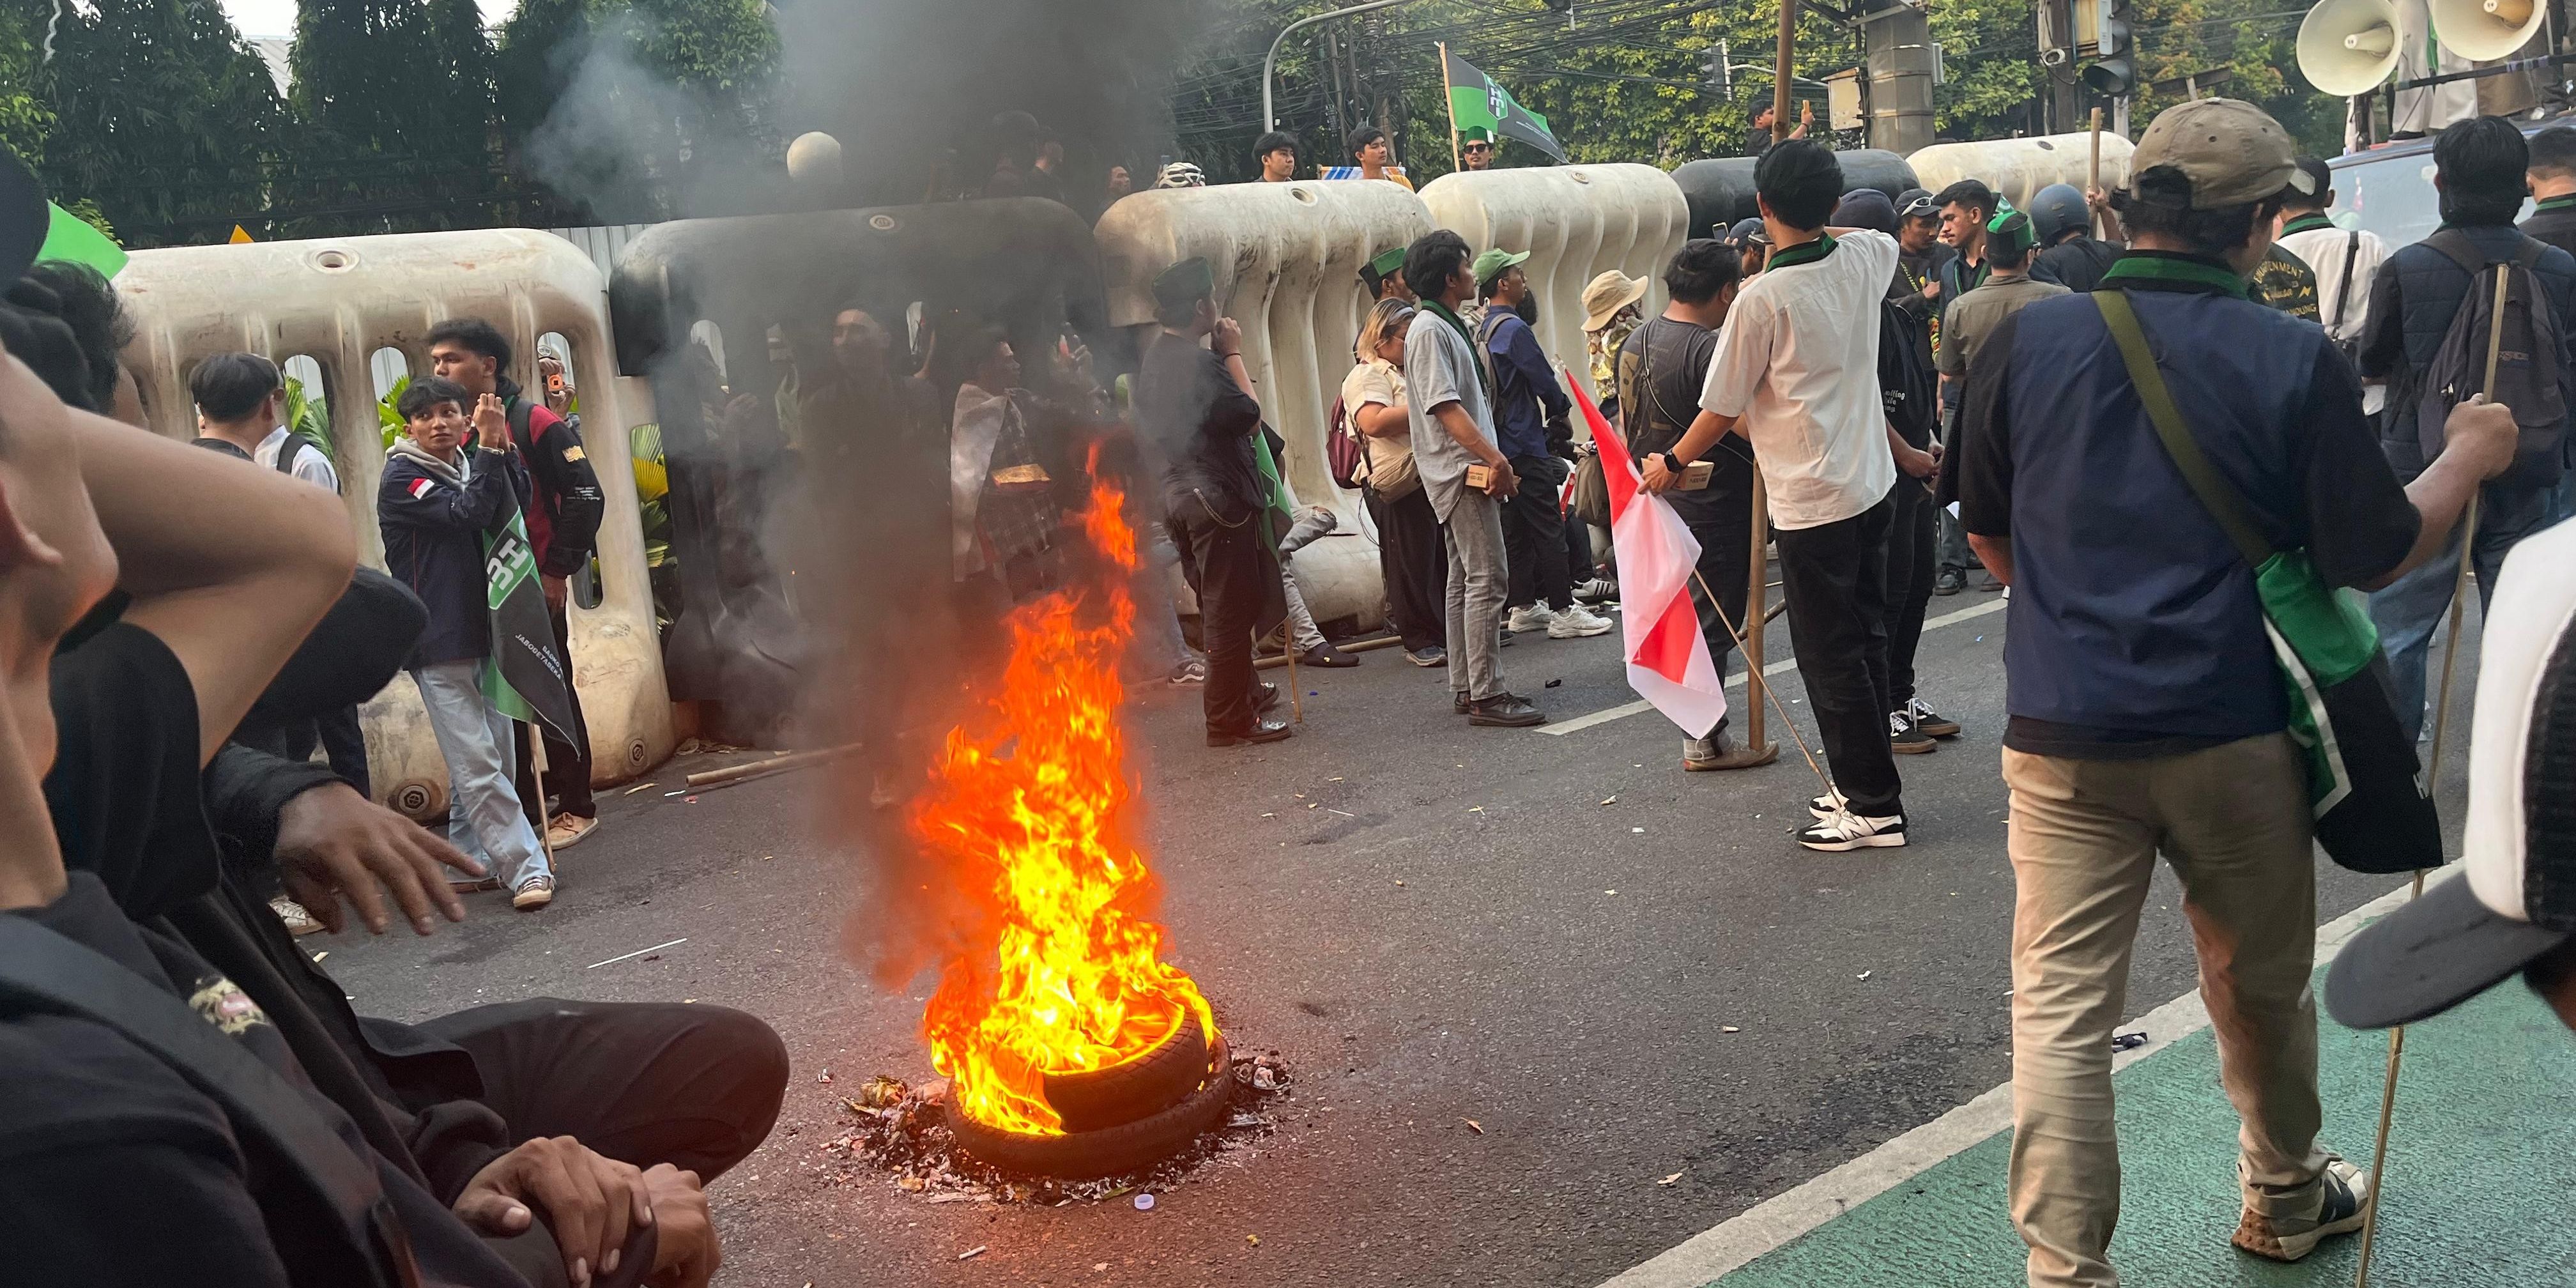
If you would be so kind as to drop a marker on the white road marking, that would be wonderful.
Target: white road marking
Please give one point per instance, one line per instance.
(1560, 728)
(1735, 1242)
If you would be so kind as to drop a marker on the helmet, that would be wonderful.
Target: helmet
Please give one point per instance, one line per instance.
(1180, 174)
(2055, 209)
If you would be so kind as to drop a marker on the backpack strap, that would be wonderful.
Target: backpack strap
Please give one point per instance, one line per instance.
(2343, 287)
(41, 970)
(2456, 246)
(2216, 494)
(286, 453)
(521, 410)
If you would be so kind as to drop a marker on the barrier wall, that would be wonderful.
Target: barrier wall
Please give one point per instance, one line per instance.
(339, 300)
(1577, 222)
(2019, 167)
(1720, 189)
(1287, 260)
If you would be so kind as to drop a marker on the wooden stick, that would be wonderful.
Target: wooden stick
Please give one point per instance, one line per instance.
(777, 764)
(1779, 78)
(2096, 173)
(1755, 619)
(1363, 646)
(1448, 100)
(1288, 649)
(537, 773)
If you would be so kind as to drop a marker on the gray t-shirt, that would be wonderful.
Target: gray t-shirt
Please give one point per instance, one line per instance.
(1440, 367)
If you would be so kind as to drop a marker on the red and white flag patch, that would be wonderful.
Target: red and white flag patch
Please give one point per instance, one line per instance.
(420, 488)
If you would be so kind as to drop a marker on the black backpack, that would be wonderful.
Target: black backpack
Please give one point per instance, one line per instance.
(1908, 387)
(2530, 351)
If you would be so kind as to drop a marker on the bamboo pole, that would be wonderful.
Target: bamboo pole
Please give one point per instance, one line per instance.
(774, 765)
(1780, 70)
(1449, 101)
(2094, 184)
(1755, 686)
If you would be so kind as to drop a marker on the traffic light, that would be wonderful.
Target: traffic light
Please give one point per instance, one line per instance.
(1712, 66)
(2114, 71)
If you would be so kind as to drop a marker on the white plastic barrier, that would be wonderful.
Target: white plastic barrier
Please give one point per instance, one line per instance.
(1287, 260)
(1577, 222)
(2018, 168)
(339, 300)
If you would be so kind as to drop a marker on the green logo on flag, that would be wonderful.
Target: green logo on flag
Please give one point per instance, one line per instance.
(1476, 100)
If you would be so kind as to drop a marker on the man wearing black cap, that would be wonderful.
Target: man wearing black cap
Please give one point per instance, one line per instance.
(2147, 715)
(1197, 408)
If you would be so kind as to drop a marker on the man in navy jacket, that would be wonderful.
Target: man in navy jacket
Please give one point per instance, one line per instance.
(438, 501)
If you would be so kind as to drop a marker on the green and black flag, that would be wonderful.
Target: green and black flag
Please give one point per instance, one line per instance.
(1474, 99)
(524, 676)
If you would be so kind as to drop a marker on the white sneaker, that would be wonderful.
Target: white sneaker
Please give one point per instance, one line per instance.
(1577, 622)
(1849, 831)
(1530, 617)
(1597, 590)
(1825, 807)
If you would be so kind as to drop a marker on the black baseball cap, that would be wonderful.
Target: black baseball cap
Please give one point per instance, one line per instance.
(2515, 898)
(1747, 231)
(1914, 202)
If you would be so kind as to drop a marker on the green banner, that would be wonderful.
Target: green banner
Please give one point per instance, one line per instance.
(524, 676)
(73, 238)
(1475, 100)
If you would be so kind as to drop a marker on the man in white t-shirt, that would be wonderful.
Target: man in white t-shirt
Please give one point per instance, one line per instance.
(2346, 261)
(1796, 374)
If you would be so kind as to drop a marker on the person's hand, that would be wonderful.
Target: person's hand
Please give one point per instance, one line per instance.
(1806, 112)
(1917, 463)
(558, 591)
(333, 843)
(739, 413)
(558, 387)
(1228, 339)
(2097, 200)
(2484, 433)
(1654, 477)
(1932, 289)
(1500, 481)
(685, 1252)
(1937, 450)
(491, 424)
(589, 1201)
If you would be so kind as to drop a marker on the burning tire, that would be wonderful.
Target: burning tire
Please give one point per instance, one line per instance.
(1098, 1099)
(1108, 1151)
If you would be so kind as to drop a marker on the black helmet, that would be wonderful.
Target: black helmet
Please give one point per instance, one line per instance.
(2055, 209)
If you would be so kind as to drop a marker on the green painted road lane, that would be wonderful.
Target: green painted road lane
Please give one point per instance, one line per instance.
(2478, 1159)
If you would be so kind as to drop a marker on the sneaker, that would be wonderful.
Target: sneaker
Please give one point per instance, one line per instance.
(1932, 722)
(568, 830)
(2343, 1199)
(1599, 590)
(1904, 739)
(1325, 655)
(534, 893)
(1950, 581)
(1849, 831)
(1260, 732)
(1825, 807)
(1529, 617)
(1574, 621)
(1190, 674)
(1458, 701)
(1505, 711)
(299, 920)
(1431, 655)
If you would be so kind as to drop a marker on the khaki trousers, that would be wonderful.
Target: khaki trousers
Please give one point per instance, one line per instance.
(2234, 823)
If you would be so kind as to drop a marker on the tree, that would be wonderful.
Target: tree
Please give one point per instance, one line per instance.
(394, 101)
(25, 116)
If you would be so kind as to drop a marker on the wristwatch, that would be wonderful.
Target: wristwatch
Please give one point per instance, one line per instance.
(1672, 463)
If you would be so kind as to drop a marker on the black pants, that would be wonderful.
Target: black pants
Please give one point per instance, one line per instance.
(1910, 559)
(1236, 575)
(1834, 577)
(567, 763)
(1720, 517)
(1534, 536)
(1579, 567)
(342, 741)
(1415, 562)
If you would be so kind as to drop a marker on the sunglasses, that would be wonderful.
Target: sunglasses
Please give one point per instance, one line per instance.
(1480, 147)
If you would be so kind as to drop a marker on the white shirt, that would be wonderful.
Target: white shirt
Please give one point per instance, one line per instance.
(1798, 362)
(311, 465)
(2323, 249)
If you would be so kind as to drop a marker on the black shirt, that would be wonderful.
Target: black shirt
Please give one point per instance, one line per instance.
(1201, 423)
(1662, 368)
(2554, 222)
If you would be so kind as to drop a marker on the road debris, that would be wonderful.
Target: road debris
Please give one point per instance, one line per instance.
(1253, 1239)
(1636, 829)
(641, 787)
(1670, 1179)
(971, 1253)
(1728, 1028)
(1865, 974)
(1556, 683)
(1144, 1202)
(825, 1077)
(638, 953)
(1611, 800)
(2128, 1041)
(1474, 1126)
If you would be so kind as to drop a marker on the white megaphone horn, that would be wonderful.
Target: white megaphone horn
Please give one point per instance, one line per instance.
(2485, 30)
(2349, 47)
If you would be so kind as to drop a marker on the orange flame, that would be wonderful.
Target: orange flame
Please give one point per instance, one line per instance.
(1033, 817)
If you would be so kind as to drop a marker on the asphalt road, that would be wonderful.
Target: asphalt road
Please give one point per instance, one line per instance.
(1433, 923)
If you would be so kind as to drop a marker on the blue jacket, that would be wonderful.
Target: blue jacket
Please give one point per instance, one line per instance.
(434, 529)
(2412, 301)
(1526, 392)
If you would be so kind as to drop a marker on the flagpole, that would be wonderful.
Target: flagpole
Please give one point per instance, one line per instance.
(1449, 97)
(537, 772)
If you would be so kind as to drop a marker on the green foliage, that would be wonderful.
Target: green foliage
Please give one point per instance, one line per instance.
(307, 417)
(387, 419)
(25, 115)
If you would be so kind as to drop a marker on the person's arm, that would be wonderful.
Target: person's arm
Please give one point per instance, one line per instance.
(1452, 417)
(1521, 350)
(1742, 362)
(1913, 461)
(1984, 453)
(1227, 344)
(2383, 342)
(2361, 531)
(1706, 428)
(1433, 385)
(561, 468)
(228, 567)
(1382, 420)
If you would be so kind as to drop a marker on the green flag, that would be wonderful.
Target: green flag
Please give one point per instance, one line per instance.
(524, 676)
(1474, 99)
(73, 238)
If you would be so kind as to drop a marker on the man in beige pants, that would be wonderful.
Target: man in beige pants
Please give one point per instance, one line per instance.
(2147, 715)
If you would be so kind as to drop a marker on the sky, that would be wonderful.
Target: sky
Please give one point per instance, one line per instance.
(258, 18)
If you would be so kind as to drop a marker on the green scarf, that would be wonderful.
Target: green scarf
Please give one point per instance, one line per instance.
(2155, 266)
(1802, 253)
(2557, 203)
(2306, 223)
(1476, 352)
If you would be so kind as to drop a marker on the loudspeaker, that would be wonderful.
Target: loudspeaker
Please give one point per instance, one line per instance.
(2349, 47)
(2485, 30)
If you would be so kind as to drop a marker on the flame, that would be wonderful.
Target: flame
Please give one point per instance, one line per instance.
(1033, 817)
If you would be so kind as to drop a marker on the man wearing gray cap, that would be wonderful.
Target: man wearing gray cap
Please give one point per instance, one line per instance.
(2146, 712)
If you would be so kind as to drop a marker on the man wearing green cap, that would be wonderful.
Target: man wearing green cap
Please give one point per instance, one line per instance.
(1196, 409)
(1383, 277)
(2008, 286)
(1530, 410)
(1476, 147)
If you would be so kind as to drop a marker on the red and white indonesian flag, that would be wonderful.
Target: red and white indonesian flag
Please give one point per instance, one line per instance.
(1668, 661)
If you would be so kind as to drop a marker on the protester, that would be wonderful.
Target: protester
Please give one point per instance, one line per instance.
(1920, 257)
(1530, 410)
(1305, 523)
(1971, 319)
(1002, 512)
(2346, 262)
(1383, 277)
(1368, 147)
(1613, 308)
(438, 502)
(2146, 711)
(1015, 137)
(1196, 406)
(2069, 255)
(2513, 909)
(2285, 282)
(1758, 139)
(1450, 415)
(1909, 397)
(1966, 208)
(2553, 221)
(1411, 558)
(1046, 176)
(1797, 377)
(563, 525)
(78, 297)
(1663, 365)
(1119, 182)
(1751, 243)
(1276, 152)
(2480, 170)
(1476, 147)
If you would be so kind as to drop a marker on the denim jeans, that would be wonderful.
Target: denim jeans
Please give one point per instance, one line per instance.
(484, 818)
(2411, 610)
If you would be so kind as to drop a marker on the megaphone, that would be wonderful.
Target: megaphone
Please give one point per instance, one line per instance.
(2485, 30)
(2349, 47)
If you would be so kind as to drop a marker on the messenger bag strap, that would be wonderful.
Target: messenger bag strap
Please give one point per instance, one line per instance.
(2343, 288)
(2216, 494)
(41, 970)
